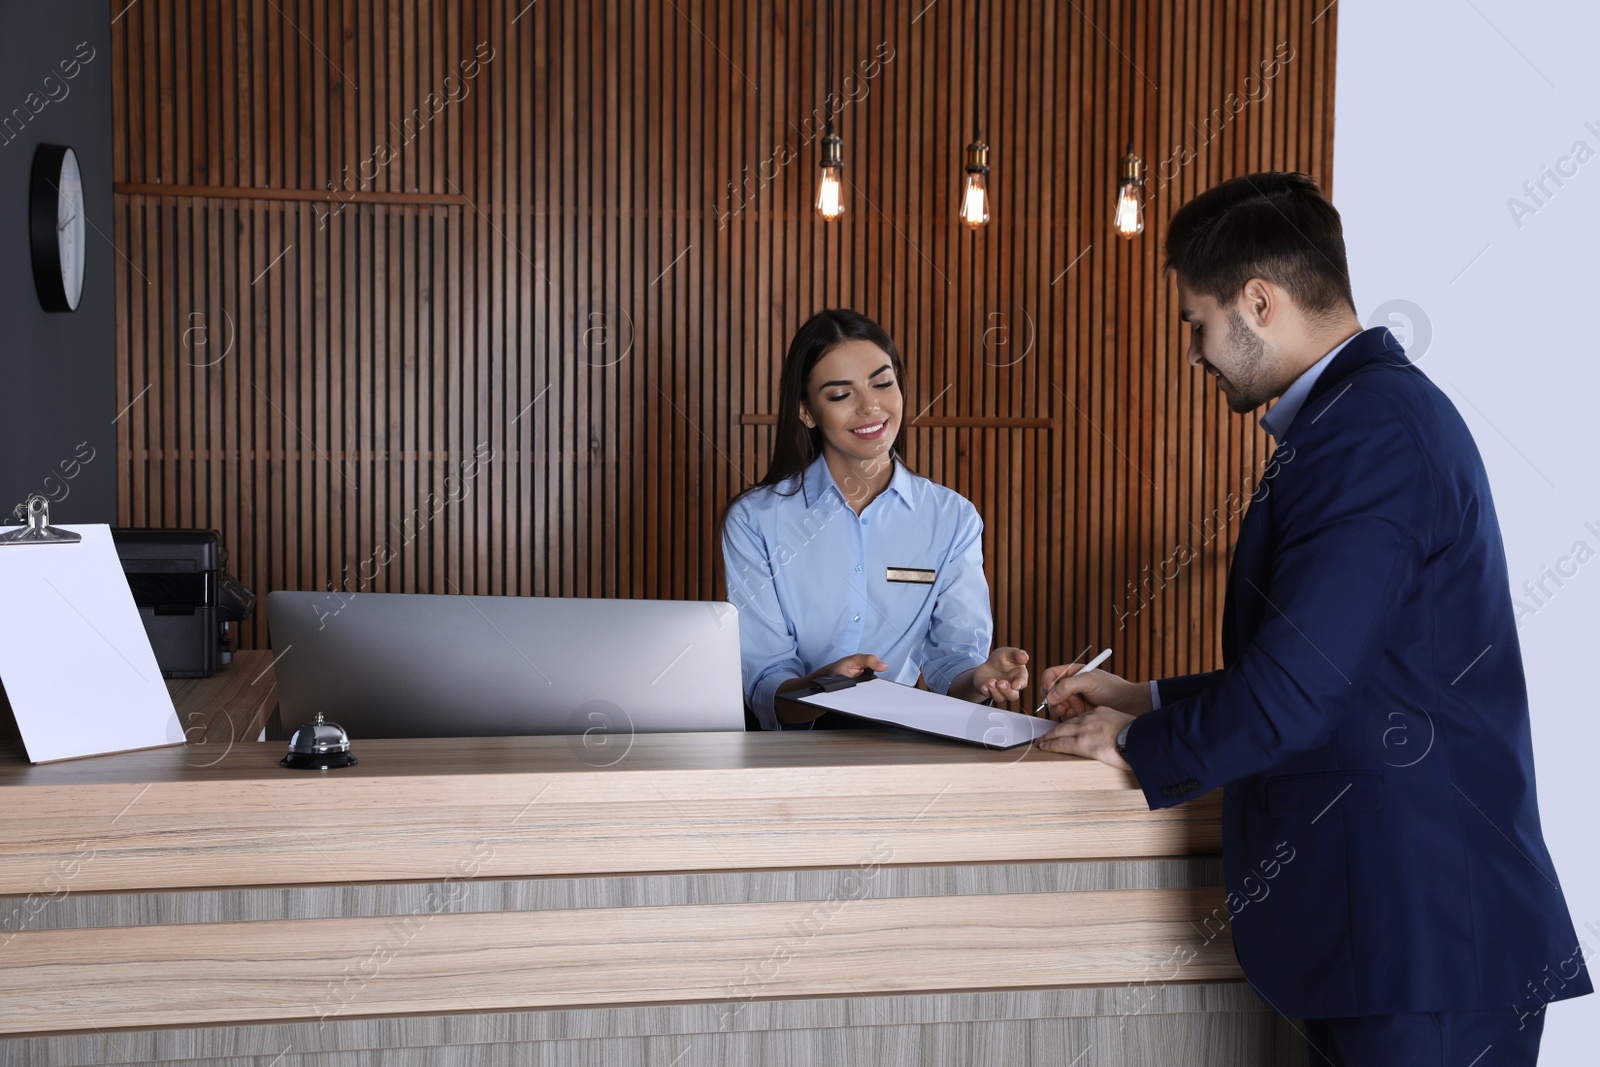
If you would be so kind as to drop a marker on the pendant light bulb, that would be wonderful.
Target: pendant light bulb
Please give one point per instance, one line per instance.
(830, 193)
(1129, 219)
(975, 191)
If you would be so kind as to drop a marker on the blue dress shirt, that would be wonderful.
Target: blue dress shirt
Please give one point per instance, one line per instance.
(1277, 419)
(810, 578)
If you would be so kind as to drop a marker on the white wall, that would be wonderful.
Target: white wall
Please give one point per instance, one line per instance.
(1444, 108)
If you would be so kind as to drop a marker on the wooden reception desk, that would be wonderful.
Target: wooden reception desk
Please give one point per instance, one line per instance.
(841, 897)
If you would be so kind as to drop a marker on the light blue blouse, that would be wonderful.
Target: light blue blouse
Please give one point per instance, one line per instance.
(811, 581)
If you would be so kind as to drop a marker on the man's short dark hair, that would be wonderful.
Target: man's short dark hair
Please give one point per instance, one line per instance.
(1276, 226)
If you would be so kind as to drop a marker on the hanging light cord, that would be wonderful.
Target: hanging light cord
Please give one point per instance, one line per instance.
(1133, 22)
(827, 89)
(977, 54)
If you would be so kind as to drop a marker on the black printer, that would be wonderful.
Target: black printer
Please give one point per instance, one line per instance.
(185, 597)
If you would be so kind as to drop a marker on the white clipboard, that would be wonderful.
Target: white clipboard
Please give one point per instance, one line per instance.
(892, 704)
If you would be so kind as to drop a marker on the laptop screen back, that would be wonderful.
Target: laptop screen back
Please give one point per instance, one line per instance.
(425, 665)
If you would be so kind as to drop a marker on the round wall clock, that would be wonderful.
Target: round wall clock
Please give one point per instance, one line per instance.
(56, 227)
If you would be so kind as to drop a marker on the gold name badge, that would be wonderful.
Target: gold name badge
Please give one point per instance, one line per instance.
(911, 574)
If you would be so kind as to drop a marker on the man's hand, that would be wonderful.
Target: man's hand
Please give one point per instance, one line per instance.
(1003, 676)
(1092, 734)
(1070, 692)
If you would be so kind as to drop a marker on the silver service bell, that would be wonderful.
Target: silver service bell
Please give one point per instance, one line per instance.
(318, 746)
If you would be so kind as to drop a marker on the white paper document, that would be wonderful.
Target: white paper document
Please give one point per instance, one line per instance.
(918, 709)
(74, 656)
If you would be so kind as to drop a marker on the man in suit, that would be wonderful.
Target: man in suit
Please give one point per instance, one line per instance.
(1387, 878)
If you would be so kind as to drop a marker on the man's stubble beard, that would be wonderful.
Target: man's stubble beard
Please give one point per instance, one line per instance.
(1247, 391)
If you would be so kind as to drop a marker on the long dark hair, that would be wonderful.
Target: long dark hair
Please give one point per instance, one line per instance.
(795, 446)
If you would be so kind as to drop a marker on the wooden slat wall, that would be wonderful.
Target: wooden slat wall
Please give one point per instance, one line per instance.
(577, 279)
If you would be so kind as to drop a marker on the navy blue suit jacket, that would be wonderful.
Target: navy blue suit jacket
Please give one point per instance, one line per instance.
(1381, 835)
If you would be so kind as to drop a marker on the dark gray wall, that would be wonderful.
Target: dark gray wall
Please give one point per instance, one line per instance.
(57, 371)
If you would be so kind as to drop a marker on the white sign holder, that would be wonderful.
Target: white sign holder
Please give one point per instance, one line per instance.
(75, 660)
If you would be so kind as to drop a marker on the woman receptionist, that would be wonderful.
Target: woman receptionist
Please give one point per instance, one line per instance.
(842, 559)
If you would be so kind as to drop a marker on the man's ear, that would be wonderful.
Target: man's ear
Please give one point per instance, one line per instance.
(1260, 302)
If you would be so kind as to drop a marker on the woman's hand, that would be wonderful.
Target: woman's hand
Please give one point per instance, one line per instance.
(1071, 692)
(851, 666)
(795, 713)
(1002, 677)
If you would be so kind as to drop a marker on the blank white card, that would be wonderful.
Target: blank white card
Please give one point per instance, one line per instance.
(74, 656)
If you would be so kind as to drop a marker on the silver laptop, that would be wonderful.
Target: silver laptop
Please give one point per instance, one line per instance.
(419, 665)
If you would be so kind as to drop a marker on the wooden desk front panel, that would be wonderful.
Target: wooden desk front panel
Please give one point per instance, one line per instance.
(154, 976)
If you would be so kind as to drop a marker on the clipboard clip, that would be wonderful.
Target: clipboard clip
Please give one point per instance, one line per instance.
(832, 683)
(37, 529)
